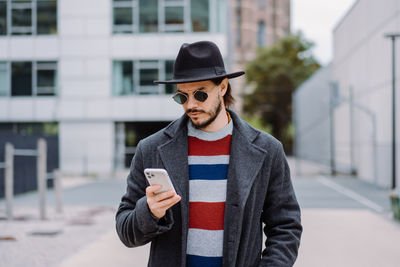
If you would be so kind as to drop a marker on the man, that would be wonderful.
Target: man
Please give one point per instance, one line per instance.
(229, 178)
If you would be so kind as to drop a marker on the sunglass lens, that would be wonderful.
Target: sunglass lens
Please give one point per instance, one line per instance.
(200, 96)
(180, 98)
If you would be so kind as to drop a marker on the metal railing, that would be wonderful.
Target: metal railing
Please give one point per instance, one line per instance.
(42, 176)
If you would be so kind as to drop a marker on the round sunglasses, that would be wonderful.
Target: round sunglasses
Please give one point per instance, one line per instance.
(181, 98)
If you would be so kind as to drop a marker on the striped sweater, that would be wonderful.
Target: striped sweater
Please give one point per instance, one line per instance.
(208, 167)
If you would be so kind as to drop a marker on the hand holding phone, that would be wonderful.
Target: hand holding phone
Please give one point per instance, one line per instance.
(160, 194)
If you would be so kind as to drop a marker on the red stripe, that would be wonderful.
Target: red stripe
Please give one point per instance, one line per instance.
(207, 215)
(198, 147)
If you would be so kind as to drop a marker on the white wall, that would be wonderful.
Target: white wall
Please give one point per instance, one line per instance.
(362, 60)
(87, 147)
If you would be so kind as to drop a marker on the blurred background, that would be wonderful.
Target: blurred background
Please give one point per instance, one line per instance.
(320, 77)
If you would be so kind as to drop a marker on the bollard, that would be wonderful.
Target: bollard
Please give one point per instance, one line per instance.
(9, 179)
(58, 190)
(42, 176)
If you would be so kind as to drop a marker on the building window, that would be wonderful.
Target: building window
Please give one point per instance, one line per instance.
(3, 17)
(21, 17)
(46, 128)
(28, 17)
(144, 16)
(148, 72)
(148, 21)
(238, 16)
(169, 73)
(21, 79)
(136, 77)
(46, 17)
(46, 81)
(26, 78)
(261, 34)
(123, 77)
(174, 16)
(124, 16)
(199, 10)
(262, 3)
(4, 79)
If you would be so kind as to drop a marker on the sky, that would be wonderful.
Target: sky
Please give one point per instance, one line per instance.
(317, 19)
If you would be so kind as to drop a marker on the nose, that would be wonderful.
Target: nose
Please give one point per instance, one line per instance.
(191, 102)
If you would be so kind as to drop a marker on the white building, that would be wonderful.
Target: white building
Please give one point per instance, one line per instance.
(361, 72)
(362, 61)
(87, 66)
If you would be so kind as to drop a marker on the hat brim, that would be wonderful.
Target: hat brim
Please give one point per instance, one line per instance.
(199, 79)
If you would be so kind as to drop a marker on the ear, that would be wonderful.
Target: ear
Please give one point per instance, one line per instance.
(223, 86)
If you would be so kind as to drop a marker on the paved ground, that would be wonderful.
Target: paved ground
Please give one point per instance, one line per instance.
(346, 223)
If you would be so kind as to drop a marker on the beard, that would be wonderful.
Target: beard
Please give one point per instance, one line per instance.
(213, 114)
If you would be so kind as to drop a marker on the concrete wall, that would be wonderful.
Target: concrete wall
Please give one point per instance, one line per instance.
(362, 61)
(311, 116)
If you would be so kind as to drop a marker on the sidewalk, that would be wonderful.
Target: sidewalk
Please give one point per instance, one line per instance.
(89, 211)
(346, 223)
(348, 238)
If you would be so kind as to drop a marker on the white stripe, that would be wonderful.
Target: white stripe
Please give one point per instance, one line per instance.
(351, 194)
(205, 243)
(207, 190)
(207, 136)
(223, 159)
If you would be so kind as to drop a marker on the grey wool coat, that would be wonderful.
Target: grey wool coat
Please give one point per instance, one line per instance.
(259, 190)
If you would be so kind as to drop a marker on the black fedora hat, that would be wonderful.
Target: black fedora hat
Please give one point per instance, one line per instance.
(199, 61)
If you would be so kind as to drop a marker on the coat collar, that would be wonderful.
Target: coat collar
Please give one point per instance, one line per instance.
(179, 126)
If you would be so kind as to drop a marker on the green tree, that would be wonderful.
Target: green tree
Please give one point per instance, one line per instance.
(274, 75)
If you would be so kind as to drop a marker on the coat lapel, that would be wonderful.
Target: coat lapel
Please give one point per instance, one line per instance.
(246, 160)
(174, 156)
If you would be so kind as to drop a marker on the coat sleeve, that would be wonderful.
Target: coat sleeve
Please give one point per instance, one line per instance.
(135, 223)
(281, 215)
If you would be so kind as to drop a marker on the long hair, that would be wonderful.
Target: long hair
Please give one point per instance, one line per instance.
(228, 98)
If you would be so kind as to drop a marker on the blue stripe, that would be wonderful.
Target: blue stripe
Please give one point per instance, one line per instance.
(208, 171)
(199, 261)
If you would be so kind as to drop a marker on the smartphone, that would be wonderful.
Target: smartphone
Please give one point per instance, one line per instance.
(160, 177)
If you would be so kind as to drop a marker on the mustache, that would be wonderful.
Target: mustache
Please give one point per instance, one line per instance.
(194, 110)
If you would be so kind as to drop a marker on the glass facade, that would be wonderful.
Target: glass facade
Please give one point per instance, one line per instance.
(137, 76)
(26, 78)
(147, 16)
(28, 17)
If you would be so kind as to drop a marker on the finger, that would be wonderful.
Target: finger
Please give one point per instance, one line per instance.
(164, 195)
(166, 204)
(153, 188)
(155, 198)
